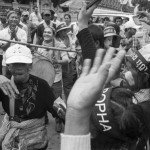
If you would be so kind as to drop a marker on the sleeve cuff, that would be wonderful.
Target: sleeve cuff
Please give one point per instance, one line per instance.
(79, 142)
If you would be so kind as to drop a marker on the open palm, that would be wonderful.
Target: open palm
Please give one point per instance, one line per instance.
(89, 86)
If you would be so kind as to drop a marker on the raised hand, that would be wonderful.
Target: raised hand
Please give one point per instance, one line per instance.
(88, 88)
(85, 14)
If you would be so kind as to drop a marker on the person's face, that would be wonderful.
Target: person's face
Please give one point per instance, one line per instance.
(108, 42)
(47, 17)
(36, 9)
(131, 78)
(64, 33)
(20, 71)
(13, 19)
(119, 22)
(130, 32)
(48, 34)
(106, 22)
(25, 17)
(67, 19)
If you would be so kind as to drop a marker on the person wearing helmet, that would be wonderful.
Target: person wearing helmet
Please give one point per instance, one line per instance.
(130, 31)
(25, 99)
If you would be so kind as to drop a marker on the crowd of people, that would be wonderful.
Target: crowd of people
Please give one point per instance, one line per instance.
(103, 71)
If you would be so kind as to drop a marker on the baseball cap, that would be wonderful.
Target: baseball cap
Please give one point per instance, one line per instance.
(25, 13)
(140, 59)
(18, 54)
(109, 31)
(130, 24)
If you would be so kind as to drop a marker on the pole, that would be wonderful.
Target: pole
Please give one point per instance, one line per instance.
(38, 46)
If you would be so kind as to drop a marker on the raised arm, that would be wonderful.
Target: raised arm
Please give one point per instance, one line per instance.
(84, 36)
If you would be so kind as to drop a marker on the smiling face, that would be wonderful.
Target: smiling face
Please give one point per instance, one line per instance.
(20, 71)
(13, 19)
(48, 34)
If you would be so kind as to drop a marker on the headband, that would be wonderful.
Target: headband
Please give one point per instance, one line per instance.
(103, 118)
(11, 12)
(138, 61)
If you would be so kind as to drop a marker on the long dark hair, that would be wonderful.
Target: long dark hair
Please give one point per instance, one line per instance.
(97, 34)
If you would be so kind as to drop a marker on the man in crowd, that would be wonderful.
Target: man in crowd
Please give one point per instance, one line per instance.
(45, 23)
(35, 18)
(118, 21)
(20, 23)
(12, 32)
(25, 20)
(130, 31)
(55, 20)
(25, 105)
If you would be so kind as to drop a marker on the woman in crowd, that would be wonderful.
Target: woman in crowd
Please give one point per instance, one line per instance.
(69, 70)
(58, 58)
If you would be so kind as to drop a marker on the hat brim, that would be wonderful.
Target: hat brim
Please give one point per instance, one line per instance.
(110, 34)
(19, 59)
(64, 28)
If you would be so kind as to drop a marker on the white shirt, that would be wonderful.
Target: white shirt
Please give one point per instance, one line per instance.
(24, 27)
(5, 34)
(35, 19)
